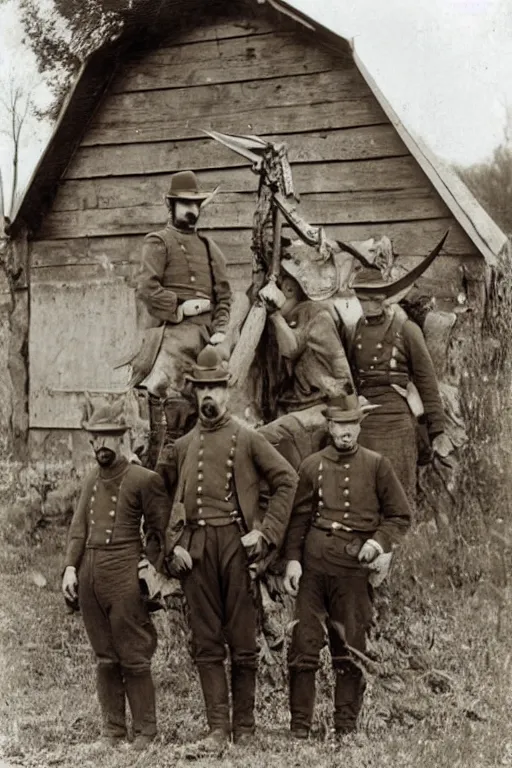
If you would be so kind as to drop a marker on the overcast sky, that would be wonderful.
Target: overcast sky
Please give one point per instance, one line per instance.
(444, 65)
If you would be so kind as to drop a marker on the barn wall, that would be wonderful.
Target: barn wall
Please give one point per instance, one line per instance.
(353, 172)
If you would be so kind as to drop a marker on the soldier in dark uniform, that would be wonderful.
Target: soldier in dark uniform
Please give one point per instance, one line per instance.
(393, 369)
(349, 509)
(214, 473)
(186, 297)
(103, 550)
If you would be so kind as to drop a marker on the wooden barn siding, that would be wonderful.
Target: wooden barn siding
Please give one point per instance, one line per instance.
(353, 172)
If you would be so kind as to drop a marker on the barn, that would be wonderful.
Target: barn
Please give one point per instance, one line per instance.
(136, 115)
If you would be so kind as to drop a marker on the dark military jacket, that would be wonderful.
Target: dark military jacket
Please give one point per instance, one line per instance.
(358, 490)
(254, 460)
(394, 351)
(177, 266)
(110, 509)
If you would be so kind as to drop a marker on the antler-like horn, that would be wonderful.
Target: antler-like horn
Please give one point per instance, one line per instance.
(403, 283)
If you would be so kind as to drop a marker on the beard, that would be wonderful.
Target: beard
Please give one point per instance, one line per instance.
(344, 445)
(105, 457)
(187, 221)
(209, 409)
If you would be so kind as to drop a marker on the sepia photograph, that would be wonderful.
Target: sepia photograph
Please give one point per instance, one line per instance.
(255, 383)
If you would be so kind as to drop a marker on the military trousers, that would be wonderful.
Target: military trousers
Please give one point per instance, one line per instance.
(122, 636)
(335, 609)
(223, 612)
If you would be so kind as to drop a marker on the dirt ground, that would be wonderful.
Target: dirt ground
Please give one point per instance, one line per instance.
(439, 672)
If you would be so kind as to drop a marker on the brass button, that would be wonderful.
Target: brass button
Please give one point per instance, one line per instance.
(199, 501)
(201, 522)
(347, 479)
(346, 492)
(320, 504)
(345, 515)
(200, 476)
(92, 522)
(114, 498)
(359, 346)
(346, 466)
(112, 513)
(108, 530)
(199, 489)
(192, 279)
(91, 511)
(200, 464)
(375, 358)
(107, 541)
(372, 367)
(200, 453)
(200, 511)
(379, 345)
(229, 462)
(347, 503)
(92, 499)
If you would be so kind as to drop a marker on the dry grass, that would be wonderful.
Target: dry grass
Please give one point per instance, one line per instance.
(439, 674)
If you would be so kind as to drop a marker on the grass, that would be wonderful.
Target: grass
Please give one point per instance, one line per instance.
(439, 672)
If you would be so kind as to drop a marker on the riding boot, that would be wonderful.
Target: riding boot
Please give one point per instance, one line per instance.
(302, 699)
(110, 688)
(156, 430)
(140, 692)
(243, 690)
(348, 697)
(216, 696)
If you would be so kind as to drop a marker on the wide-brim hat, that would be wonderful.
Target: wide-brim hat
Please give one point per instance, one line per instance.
(344, 408)
(103, 417)
(369, 284)
(208, 368)
(318, 279)
(184, 186)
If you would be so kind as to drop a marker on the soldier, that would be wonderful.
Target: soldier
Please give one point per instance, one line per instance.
(184, 288)
(349, 509)
(214, 472)
(393, 369)
(312, 354)
(103, 550)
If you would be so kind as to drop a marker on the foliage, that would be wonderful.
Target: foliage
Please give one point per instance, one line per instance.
(491, 183)
(63, 37)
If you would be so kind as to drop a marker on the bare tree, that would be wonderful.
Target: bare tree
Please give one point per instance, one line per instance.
(15, 106)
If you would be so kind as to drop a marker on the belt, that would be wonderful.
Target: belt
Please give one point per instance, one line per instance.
(221, 520)
(325, 524)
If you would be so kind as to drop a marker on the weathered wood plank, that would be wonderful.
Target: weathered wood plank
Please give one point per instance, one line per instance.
(183, 112)
(224, 61)
(119, 192)
(236, 211)
(415, 238)
(273, 120)
(161, 157)
(223, 30)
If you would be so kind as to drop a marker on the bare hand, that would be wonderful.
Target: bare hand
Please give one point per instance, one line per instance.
(70, 583)
(193, 307)
(292, 577)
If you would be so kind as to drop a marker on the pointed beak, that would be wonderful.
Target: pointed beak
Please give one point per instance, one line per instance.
(250, 147)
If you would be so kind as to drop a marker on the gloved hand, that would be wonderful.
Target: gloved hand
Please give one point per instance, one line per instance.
(442, 445)
(292, 576)
(147, 573)
(256, 545)
(369, 551)
(181, 559)
(272, 297)
(70, 583)
(217, 338)
(192, 307)
(379, 568)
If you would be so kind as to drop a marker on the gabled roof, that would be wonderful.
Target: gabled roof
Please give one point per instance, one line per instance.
(98, 70)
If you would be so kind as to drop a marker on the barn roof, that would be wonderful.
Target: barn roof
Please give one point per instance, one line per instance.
(98, 70)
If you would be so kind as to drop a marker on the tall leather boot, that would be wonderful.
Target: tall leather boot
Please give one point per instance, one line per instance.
(216, 695)
(140, 692)
(348, 697)
(156, 430)
(302, 700)
(243, 690)
(110, 688)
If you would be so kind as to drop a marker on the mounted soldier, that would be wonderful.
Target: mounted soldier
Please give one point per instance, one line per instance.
(184, 303)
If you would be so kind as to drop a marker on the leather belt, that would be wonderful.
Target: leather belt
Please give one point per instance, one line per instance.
(221, 520)
(324, 524)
